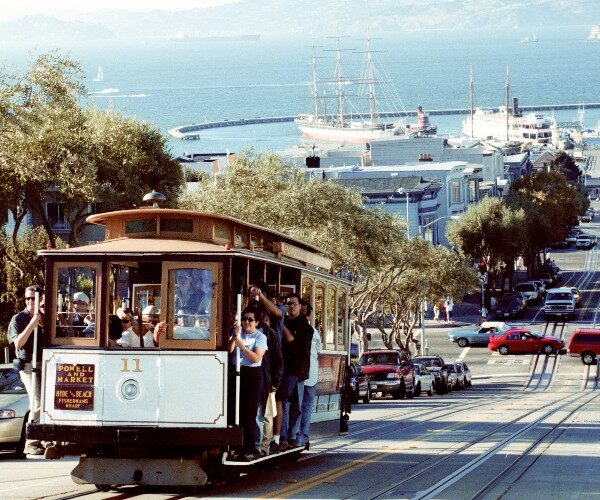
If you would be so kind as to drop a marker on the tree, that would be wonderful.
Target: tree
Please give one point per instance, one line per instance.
(492, 231)
(551, 206)
(566, 165)
(53, 149)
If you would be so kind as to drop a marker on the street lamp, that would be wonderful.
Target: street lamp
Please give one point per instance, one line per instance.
(403, 191)
(422, 228)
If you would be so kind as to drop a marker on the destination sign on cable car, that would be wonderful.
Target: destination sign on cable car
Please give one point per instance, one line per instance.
(74, 387)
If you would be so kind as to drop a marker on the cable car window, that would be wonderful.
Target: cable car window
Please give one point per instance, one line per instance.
(329, 326)
(140, 226)
(341, 319)
(177, 225)
(319, 310)
(75, 301)
(191, 305)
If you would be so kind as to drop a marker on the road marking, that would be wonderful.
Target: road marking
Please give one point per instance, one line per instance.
(464, 353)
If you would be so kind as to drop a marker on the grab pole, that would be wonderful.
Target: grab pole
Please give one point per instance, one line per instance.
(238, 318)
(34, 356)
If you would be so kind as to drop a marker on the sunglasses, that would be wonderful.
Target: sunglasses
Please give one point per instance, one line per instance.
(29, 298)
(290, 304)
(125, 321)
(248, 318)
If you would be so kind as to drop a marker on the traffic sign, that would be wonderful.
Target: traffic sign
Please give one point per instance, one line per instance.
(483, 278)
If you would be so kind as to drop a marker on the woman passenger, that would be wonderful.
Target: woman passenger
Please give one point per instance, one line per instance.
(252, 345)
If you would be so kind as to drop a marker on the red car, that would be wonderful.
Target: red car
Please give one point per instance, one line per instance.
(522, 341)
(390, 372)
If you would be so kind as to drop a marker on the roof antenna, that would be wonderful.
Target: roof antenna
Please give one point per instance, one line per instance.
(154, 197)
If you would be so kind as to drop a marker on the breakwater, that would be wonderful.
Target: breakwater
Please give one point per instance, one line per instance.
(193, 131)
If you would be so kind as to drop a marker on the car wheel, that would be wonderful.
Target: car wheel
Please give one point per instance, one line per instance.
(367, 396)
(588, 358)
(548, 349)
(401, 392)
(418, 389)
(102, 487)
(463, 342)
(430, 391)
(503, 349)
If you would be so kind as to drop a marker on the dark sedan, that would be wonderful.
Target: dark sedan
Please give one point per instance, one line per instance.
(510, 307)
(359, 384)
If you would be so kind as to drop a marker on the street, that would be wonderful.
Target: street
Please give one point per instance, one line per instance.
(528, 427)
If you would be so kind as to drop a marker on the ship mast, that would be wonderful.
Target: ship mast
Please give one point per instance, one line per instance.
(340, 88)
(371, 80)
(314, 89)
(472, 96)
(507, 87)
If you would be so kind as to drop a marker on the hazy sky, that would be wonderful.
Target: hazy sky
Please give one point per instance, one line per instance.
(16, 8)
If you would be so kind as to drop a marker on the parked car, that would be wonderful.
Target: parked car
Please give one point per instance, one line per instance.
(510, 307)
(522, 341)
(560, 304)
(14, 410)
(586, 218)
(466, 370)
(585, 343)
(390, 372)
(584, 241)
(424, 380)
(563, 243)
(359, 384)
(577, 294)
(435, 364)
(456, 376)
(548, 278)
(530, 291)
(541, 286)
(478, 335)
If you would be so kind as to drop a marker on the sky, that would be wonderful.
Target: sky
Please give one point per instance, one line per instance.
(16, 8)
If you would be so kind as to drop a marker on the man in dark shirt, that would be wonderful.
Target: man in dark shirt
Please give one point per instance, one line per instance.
(297, 336)
(20, 332)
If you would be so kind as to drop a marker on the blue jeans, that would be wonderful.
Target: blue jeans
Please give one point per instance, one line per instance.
(289, 419)
(302, 428)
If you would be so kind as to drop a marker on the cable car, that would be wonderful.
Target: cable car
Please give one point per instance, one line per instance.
(159, 414)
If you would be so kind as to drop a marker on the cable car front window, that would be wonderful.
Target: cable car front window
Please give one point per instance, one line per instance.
(192, 303)
(76, 301)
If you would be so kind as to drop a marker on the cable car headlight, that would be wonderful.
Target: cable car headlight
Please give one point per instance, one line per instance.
(130, 389)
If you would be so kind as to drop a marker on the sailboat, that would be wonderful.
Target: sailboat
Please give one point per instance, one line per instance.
(100, 75)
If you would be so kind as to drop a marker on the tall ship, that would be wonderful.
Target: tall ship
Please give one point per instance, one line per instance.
(507, 124)
(594, 33)
(349, 123)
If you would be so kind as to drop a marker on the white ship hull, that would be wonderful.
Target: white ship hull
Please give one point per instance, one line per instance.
(489, 125)
(346, 134)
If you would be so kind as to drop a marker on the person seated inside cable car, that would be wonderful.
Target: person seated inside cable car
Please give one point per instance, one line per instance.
(130, 336)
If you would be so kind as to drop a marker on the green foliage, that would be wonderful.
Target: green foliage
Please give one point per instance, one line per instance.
(490, 230)
(566, 165)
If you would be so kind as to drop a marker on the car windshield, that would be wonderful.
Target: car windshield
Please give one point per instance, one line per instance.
(560, 296)
(10, 382)
(451, 369)
(431, 363)
(380, 359)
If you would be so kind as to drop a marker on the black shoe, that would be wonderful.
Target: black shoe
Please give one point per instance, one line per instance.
(273, 448)
(250, 456)
(293, 444)
(283, 447)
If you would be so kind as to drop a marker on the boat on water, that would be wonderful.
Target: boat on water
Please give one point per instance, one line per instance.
(506, 124)
(594, 33)
(110, 90)
(349, 123)
(100, 75)
(503, 125)
(526, 39)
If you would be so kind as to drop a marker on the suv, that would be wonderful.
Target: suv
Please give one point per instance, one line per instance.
(435, 364)
(560, 303)
(584, 241)
(390, 372)
(585, 343)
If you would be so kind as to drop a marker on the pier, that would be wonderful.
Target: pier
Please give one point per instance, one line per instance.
(193, 131)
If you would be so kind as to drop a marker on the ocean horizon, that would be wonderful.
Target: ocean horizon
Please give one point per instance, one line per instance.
(170, 84)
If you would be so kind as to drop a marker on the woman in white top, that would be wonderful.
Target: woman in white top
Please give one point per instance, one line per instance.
(129, 337)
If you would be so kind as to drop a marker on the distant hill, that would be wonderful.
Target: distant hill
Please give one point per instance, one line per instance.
(307, 17)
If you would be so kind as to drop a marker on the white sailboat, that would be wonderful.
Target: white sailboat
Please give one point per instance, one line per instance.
(100, 75)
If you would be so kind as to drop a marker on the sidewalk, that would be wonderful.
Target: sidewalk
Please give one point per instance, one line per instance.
(463, 314)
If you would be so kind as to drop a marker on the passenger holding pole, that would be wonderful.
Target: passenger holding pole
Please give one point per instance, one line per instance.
(252, 345)
(22, 331)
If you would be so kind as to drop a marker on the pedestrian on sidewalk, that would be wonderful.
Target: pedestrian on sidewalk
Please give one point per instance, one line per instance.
(449, 305)
(484, 314)
(436, 311)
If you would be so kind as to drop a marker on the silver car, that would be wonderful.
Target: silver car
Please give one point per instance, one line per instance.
(14, 410)
(478, 335)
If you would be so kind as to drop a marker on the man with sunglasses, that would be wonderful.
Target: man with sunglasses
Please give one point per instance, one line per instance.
(20, 333)
(130, 337)
(297, 338)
